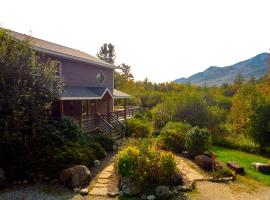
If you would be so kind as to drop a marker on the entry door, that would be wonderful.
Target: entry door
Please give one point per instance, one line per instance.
(91, 107)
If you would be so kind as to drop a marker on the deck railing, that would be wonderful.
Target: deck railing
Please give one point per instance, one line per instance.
(89, 123)
(127, 113)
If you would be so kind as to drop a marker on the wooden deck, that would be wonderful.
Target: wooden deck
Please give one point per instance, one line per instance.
(90, 123)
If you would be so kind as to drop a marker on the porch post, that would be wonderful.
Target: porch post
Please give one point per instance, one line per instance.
(108, 108)
(61, 108)
(125, 109)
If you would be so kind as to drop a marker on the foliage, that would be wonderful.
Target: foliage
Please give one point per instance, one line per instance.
(107, 53)
(105, 140)
(198, 140)
(173, 135)
(243, 159)
(250, 114)
(47, 154)
(138, 128)
(238, 142)
(145, 163)
(28, 87)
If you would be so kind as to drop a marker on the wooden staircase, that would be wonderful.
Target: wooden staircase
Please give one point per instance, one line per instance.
(110, 125)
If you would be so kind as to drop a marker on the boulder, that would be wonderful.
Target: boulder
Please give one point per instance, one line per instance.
(204, 162)
(130, 187)
(163, 192)
(151, 197)
(96, 163)
(264, 168)
(75, 176)
(238, 169)
(84, 191)
(3, 180)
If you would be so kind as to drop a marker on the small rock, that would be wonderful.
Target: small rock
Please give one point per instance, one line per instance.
(76, 190)
(261, 167)
(130, 187)
(184, 188)
(84, 191)
(121, 193)
(144, 197)
(163, 192)
(97, 163)
(115, 147)
(204, 162)
(151, 197)
(112, 194)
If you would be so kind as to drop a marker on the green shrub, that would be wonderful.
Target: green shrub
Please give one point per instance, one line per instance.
(69, 129)
(145, 163)
(198, 140)
(138, 128)
(98, 150)
(173, 135)
(238, 142)
(105, 140)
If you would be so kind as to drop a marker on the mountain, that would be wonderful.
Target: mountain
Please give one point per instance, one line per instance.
(254, 67)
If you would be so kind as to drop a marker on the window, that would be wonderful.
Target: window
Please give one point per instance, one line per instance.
(100, 77)
(57, 65)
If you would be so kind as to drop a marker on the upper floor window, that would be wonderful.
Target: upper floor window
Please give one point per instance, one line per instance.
(100, 78)
(57, 65)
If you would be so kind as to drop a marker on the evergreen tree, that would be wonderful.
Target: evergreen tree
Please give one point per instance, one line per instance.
(107, 53)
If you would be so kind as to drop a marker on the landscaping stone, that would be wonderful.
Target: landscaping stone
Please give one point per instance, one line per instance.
(186, 154)
(204, 162)
(261, 167)
(236, 168)
(163, 192)
(84, 191)
(76, 176)
(151, 197)
(96, 163)
(76, 190)
(130, 187)
(184, 188)
(144, 197)
(121, 193)
(112, 194)
(99, 191)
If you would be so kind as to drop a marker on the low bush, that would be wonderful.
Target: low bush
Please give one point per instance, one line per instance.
(145, 163)
(138, 128)
(47, 154)
(198, 140)
(238, 142)
(105, 140)
(173, 135)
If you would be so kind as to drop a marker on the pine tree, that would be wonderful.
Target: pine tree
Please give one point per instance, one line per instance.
(107, 53)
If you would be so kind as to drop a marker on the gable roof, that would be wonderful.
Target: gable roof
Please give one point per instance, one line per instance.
(59, 50)
(83, 92)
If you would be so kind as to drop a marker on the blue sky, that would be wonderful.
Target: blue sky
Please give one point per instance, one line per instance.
(161, 40)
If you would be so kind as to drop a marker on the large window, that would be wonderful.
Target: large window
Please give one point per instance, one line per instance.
(57, 65)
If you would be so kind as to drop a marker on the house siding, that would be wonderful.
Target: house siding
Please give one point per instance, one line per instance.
(83, 74)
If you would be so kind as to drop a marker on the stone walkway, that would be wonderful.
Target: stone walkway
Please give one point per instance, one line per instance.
(189, 171)
(99, 187)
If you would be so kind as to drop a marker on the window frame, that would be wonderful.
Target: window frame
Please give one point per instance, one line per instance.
(56, 62)
(104, 78)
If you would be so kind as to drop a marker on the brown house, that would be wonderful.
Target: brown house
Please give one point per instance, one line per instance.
(89, 92)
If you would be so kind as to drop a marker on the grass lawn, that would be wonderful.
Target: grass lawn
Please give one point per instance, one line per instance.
(243, 159)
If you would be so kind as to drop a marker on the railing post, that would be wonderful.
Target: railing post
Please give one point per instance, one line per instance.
(125, 109)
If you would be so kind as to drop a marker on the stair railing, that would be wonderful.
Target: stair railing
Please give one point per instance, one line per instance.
(103, 124)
